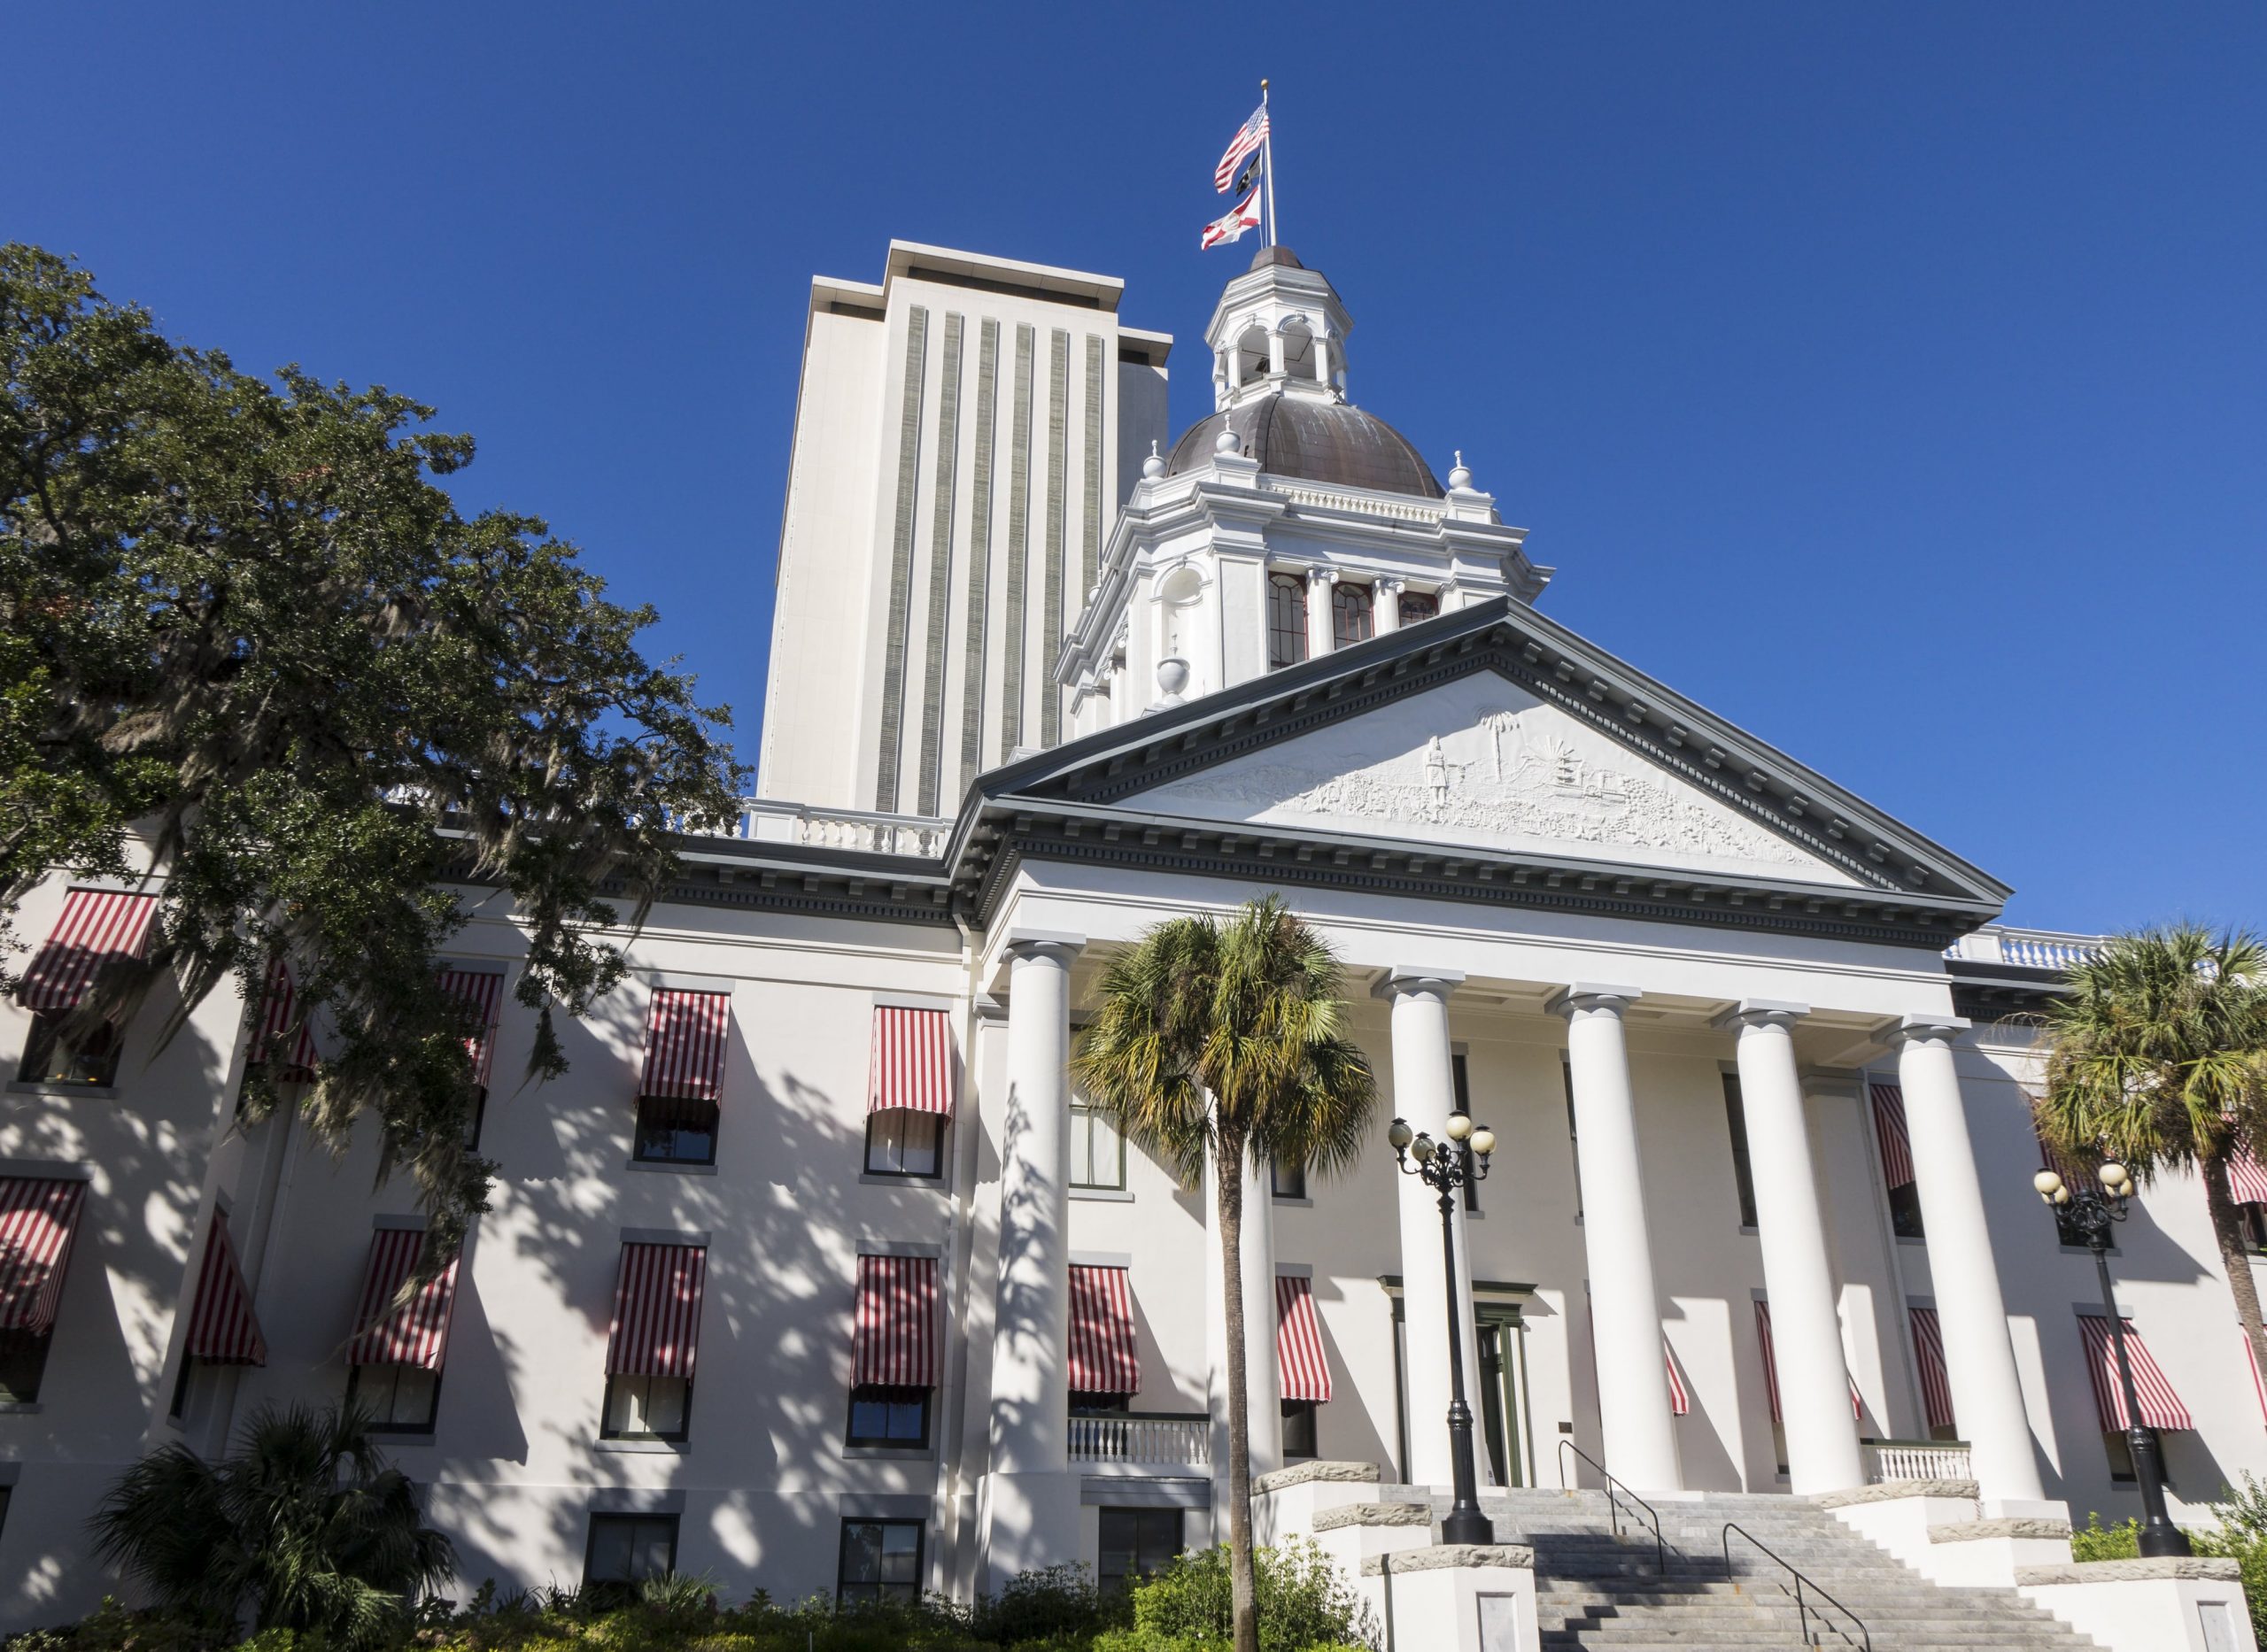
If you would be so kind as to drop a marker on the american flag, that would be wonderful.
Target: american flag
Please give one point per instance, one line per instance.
(1248, 137)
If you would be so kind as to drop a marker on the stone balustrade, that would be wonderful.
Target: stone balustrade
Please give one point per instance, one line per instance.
(1138, 1437)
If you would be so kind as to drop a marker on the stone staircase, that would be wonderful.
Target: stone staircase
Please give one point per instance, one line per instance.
(1595, 1590)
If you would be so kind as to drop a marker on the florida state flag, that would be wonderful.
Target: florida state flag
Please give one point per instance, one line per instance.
(1244, 215)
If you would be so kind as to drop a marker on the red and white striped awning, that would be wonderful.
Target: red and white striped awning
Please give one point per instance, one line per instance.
(1298, 1341)
(2246, 1176)
(912, 1069)
(1680, 1402)
(1105, 1358)
(656, 1310)
(1771, 1368)
(222, 1329)
(2161, 1407)
(276, 1007)
(99, 926)
(685, 1033)
(1936, 1376)
(38, 1218)
(894, 1340)
(415, 1332)
(1889, 1130)
(481, 989)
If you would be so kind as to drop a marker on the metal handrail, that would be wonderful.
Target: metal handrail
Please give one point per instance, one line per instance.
(1802, 1605)
(1613, 1508)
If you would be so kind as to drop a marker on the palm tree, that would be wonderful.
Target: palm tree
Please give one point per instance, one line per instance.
(306, 1517)
(2157, 1058)
(1226, 1041)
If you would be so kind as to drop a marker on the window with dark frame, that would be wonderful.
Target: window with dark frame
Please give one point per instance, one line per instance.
(1286, 620)
(2120, 1452)
(1084, 1403)
(1417, 607)
(902, 1142)
(1287, 1181)
(1299, 1416)
(1743, 1172)
(646, 1407)
(400, 1399)
(1136, 1543)
(49, 1058)
(23, 1361)
(2254, 1219)
(880, 1561)
(886, 1417)
(1905, 1211)
(1353, 615)
(479, 1118)
(625, 1550)
(1461, 1077)
(676, 1129)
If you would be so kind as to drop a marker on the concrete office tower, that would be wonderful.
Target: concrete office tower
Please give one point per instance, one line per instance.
(966, 433)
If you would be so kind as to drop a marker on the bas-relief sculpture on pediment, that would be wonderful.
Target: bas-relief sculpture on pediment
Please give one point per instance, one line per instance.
(1482, 761)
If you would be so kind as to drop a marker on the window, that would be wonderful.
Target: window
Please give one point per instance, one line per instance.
(2119, 1448)
(889, 1416)
(1135, 1543)
(479, 1118)
(1460, 1076)
(1287, 1181)
(881, 1561)
(1298, 1428)
(1905, 1211)
(646, 1407)
(400, 1399)
(1097, 1151)
(1352, 615)
(902, 1142)
(1085, 1404)
(1573, 1137)
(1417, 606)
(2253, 1219)
(23, 1361)
(625, 1551)
(1743, 1173)
(1286, 620)
(676, 1129)
(49, 1058)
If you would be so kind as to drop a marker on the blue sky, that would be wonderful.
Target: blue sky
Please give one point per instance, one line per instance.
(1891, 380)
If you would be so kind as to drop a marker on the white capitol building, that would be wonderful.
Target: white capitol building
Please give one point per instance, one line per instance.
(814, 1273)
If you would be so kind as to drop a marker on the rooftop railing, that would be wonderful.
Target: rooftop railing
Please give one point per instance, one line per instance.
(2039, 949)
(763, 821)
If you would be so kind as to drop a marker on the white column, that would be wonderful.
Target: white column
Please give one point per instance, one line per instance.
(1805, 1331)
(1322, 358)
(1032, 1501)
(1275, 354)
(1321, 634)
(1387, 601)
(1625, 1305)
(1424, 1094)
(1263, 1381)
(1979, 1359)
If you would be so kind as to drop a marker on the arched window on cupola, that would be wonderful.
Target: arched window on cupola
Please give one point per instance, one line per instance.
(1350, 613)
(1286, 620)
(1419, 605)
(1300, 359)
(1251, 360)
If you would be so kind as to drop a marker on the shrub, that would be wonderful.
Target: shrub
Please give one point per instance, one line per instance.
(2095, 1541)
(1303, 1602)
(1040, 1611)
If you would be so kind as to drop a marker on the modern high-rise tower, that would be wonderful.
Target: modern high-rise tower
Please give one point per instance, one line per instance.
(966, 433)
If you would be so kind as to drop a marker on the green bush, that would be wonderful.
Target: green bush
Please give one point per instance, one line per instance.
(2095, 1541)
(1303, 1602)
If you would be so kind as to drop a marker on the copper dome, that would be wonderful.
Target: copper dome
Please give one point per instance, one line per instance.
(1315, 441)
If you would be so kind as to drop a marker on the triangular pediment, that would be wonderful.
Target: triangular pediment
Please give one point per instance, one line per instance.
(1498, 733)
(1481, 762)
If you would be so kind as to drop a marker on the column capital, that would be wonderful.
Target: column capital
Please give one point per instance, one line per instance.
(1587, 997)
(1320, 574)
(1928, 1029)
(1054, 945)
(1762, 1012)
(1391, 584)
(1405, 980)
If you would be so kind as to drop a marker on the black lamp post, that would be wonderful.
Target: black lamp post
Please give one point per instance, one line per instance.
(2093, 1212)
(1446, 1167)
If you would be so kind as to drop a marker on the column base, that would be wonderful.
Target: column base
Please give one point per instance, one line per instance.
(1027, 1523)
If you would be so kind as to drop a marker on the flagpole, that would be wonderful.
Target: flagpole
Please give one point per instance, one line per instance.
(1267, 164)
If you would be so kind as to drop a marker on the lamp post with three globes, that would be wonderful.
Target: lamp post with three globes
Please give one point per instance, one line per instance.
(2093, 1212)
(1447, 1167)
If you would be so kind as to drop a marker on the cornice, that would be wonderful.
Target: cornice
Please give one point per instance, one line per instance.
(1017, 832)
